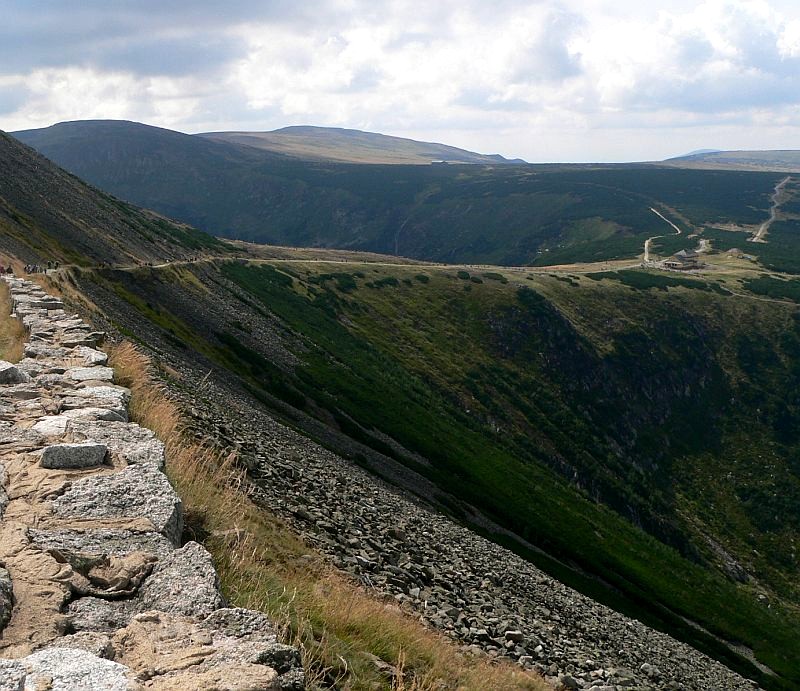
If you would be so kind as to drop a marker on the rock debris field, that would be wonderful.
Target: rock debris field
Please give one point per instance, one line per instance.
(96, 591)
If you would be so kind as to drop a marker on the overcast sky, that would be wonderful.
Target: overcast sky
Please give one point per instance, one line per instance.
(590, 80)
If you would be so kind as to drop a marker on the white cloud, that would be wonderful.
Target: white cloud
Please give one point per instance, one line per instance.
(578, 80)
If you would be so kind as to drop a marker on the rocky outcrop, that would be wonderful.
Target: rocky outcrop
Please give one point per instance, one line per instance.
(96, 590)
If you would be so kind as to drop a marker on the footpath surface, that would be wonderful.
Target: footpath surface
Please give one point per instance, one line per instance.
(96, 591)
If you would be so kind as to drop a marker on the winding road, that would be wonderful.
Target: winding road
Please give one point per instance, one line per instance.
(655, 237)
(773, 212)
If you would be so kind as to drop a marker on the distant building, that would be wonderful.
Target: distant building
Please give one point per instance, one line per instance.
(684, 260)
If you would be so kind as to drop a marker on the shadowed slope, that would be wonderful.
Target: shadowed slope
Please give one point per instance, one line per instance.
(46, 213)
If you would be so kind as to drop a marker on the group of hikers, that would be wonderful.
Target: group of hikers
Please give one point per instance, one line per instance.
(37, 268)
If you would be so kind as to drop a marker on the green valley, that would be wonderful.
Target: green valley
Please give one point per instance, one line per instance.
(494, 214)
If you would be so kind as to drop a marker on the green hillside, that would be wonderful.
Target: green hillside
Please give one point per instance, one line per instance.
(508, 215)
(353, 146)
(782, 160)
(640, 427)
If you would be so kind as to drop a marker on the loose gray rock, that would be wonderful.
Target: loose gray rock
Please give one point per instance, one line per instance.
(73, 456)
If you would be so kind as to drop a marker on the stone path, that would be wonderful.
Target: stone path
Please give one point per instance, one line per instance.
(96, 591)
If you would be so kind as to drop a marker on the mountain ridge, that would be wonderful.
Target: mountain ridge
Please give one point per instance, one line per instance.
(778, 160)
(346, 145)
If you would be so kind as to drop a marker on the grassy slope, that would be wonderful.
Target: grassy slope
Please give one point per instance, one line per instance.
(350, 146)
(567, 381)
(787, 160)
(476, 214)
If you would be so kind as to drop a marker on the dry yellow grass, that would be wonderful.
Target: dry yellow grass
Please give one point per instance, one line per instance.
(343, 631)
(12, 333)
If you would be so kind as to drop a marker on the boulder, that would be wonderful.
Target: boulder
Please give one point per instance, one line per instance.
(91, 641)
(137, 491)
(12, 675)
(52, 426)
(133, 443)
(102, 541)
(189, 657)
(182, 582)
(114, 397)
(73, 456)
(6, 598)
(64, 669)
(41, 351)
(89, 356)
(109, 414)
(90, 373)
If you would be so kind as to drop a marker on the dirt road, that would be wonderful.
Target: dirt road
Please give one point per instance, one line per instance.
(655, 237)
(773, 212)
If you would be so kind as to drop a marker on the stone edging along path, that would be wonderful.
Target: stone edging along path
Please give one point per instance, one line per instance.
(96, 591)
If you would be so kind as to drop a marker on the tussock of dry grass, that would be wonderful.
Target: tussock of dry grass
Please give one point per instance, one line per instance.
(12, 332)
(341, 629)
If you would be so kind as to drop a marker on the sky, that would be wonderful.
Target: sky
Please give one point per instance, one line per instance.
(595, 80)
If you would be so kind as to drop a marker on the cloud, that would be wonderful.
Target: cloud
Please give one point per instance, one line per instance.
(12, 97)
(520, 76)
(718, 57)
